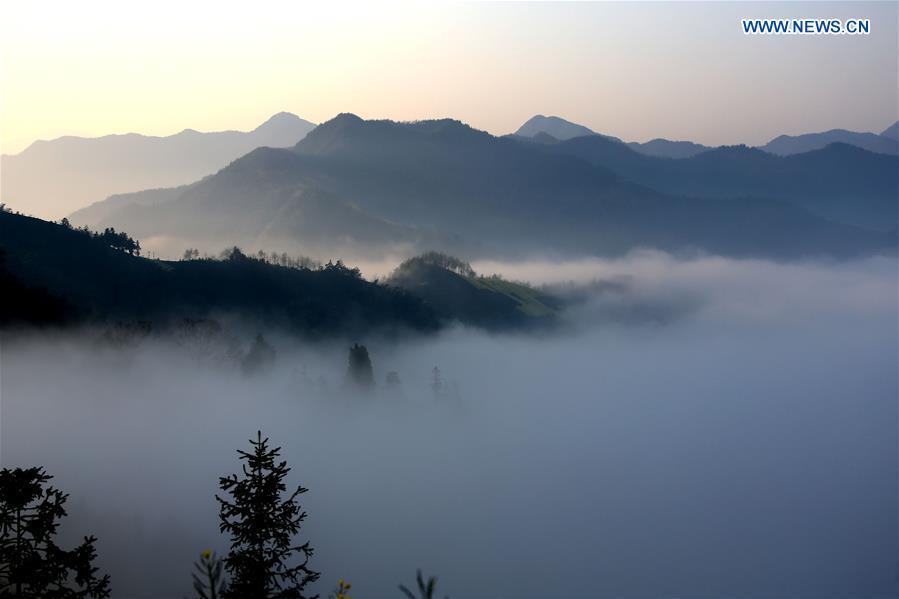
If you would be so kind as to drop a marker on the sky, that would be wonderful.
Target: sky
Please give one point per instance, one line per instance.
(679, 70)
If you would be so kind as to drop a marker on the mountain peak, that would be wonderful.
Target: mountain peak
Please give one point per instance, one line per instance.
(281, 120)
(554, 126)
(891, 132)
(344, 117)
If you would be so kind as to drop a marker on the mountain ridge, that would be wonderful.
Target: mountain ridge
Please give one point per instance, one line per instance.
(452, 187)
(56, 177)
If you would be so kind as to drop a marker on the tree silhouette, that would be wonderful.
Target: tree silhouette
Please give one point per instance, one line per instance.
(425, 588)
(262, 526)
(359, 371)
(208, 581)
(119, 241)
(31, 564)
(261, 356)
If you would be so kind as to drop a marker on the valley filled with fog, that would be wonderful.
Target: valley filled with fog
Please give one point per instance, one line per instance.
(699, 427)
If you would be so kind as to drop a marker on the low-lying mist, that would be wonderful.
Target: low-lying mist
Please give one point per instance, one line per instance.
(702, 427)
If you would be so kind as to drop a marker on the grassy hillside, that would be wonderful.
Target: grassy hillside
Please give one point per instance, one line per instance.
(457, 293)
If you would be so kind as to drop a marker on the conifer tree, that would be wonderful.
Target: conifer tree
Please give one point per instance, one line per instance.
(359, 371)
(31, 564)
(263, 560)
(208, 580)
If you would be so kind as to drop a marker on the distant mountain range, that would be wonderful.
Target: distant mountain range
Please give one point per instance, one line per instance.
(53, 178)
(540, 126)
(547, 129)
(840, 182)
(441, 184)
(785, 145)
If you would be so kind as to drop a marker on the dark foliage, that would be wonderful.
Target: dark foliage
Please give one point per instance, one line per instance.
(208, 579)
(425, 587)
(260, 356)
(359, 371)
(31, 564)
(21, 304)
(263, 560)
(445, 262)
(49, 261)
(119, 241)
(475, 301)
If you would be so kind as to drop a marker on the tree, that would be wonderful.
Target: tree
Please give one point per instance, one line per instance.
(120, 241)
(233, 254)
(208, 582)
(260, 357)
(262, 526)
(31, 564)
(359, 371)
(425, 589)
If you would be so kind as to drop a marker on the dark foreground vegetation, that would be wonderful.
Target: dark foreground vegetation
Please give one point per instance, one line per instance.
(260, 517)
(52, 274)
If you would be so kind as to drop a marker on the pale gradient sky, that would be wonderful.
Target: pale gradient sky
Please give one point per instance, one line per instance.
(637, 71)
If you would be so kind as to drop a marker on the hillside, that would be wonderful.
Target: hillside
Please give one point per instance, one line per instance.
(784, 145)
(53, 178)
(458, 293)
(79, 279)
(840, 182)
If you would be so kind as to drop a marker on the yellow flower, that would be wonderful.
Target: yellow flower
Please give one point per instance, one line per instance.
(206, 554)
(340, 582)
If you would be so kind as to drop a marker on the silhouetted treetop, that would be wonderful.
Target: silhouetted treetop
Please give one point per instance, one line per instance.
(263, 560)
(31, 563)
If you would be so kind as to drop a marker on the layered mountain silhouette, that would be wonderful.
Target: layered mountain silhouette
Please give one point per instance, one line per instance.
(441, 183)
(554, 126)
(840, 182)
(546, 129)
(786, 145)
(53, 178)
(543, 129)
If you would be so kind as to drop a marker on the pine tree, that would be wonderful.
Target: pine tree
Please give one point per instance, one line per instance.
(262, 526)
(208, 582)
(425, 588)
(359, 371)
(31, 564)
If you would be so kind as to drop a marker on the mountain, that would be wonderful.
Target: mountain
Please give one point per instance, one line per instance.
(555, 126)
(664, 148)
(550, 129)
(263, 200)
(53, 274)
(840, 182)
(457, 293)
(53, 178)
(891, 132)
(786, 145)
(371, 182)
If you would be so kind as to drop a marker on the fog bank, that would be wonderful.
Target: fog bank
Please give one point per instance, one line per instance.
(744, 445)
